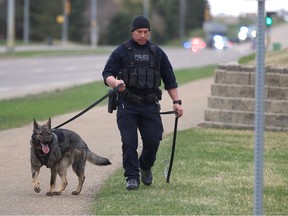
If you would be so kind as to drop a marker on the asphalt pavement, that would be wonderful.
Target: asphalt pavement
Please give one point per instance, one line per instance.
(22, 76)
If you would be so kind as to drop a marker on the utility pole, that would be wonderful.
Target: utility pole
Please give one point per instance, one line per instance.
(11, 26)
(93, 28)
(146, 8)
(26, 25)
(66, 12)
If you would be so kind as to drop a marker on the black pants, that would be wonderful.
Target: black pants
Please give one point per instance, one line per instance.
(147, 120)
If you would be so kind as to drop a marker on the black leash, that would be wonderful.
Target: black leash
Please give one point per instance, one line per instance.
(167, 112)
(162, 113)
(90, 107)
(168, 173)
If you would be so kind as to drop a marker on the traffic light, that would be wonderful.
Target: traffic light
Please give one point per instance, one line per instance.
(269, 20)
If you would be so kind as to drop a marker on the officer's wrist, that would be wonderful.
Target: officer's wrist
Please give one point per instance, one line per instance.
(177, 102)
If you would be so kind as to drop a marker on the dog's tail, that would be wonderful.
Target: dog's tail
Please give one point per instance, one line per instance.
(96, 159)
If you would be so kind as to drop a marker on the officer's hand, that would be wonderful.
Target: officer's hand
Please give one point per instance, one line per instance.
(118, 82)
(178, 109)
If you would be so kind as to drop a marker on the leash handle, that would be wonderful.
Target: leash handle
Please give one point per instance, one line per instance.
(173, 150)
(91, 106)
(168, 112)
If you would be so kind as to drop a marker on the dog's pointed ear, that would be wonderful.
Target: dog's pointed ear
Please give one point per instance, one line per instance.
(35, 124)
(49, 122)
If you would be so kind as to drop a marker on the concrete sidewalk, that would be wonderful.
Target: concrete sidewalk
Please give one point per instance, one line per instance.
(98, 128)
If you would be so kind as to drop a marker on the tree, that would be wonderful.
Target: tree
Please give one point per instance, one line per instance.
(168, 11)
(3, 20)
(78, 23)
(120, 25)
(43, 19)
(118, 30)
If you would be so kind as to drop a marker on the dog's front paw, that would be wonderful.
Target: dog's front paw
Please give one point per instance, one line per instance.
(57, 193)
(37, 189)
(75, 193)
(49, 193)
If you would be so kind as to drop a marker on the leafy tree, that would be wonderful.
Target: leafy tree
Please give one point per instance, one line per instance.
(169, 12)
(120, 25)
(163, 14)
(3, 15)
(43, 19)
(78, 23)
(164, 19)
(118, 30)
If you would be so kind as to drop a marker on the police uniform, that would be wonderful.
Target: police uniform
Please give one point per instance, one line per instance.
(142, 68)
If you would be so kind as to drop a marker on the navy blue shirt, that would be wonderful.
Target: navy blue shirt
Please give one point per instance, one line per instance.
(120, 57)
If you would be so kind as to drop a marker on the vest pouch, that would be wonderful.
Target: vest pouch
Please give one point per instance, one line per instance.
(157, 80)
(133, 81)
(159, 94)
(150, 78)
(141, 78)
(123, 74)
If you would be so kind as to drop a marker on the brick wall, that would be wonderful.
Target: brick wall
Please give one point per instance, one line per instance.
(231, 104)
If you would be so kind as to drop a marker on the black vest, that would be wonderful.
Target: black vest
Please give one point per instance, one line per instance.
(142, 70)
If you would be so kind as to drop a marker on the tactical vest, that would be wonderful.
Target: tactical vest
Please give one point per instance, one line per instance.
(142, 71)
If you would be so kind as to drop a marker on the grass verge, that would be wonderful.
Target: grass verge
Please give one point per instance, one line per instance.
(212, 175)
(52, 52)
(19, 111)
(272, 59)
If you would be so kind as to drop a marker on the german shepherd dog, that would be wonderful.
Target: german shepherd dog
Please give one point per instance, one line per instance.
(58, 149)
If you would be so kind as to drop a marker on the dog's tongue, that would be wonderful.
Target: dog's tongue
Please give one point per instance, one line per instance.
(45, 148)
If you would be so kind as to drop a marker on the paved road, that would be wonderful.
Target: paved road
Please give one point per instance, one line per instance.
(23, 76)
(19, 77)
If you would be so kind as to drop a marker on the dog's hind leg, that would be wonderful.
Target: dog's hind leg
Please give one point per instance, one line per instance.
(62, 172)
(52, 182)
(81, 180)
(79, 168)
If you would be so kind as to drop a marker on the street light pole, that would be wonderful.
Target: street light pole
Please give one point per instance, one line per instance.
(26, 25)
(259, 110)
(11, 26)
(146, 8)
(65, 23)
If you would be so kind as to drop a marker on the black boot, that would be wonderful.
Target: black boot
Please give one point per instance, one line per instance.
(146, 177)
(132, 184)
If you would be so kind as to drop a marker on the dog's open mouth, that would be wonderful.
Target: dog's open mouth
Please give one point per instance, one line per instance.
(45, 148)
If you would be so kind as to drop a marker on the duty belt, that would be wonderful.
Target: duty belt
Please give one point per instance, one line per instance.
(140, 100)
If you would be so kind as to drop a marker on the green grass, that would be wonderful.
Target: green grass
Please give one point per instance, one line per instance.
(19, 111)
(212, 175)
(272, 59)
(248, 58)
(52, 52)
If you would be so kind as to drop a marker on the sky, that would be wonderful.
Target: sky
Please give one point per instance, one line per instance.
(236, 7)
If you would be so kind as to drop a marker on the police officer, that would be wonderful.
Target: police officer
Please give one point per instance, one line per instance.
(139, 66)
